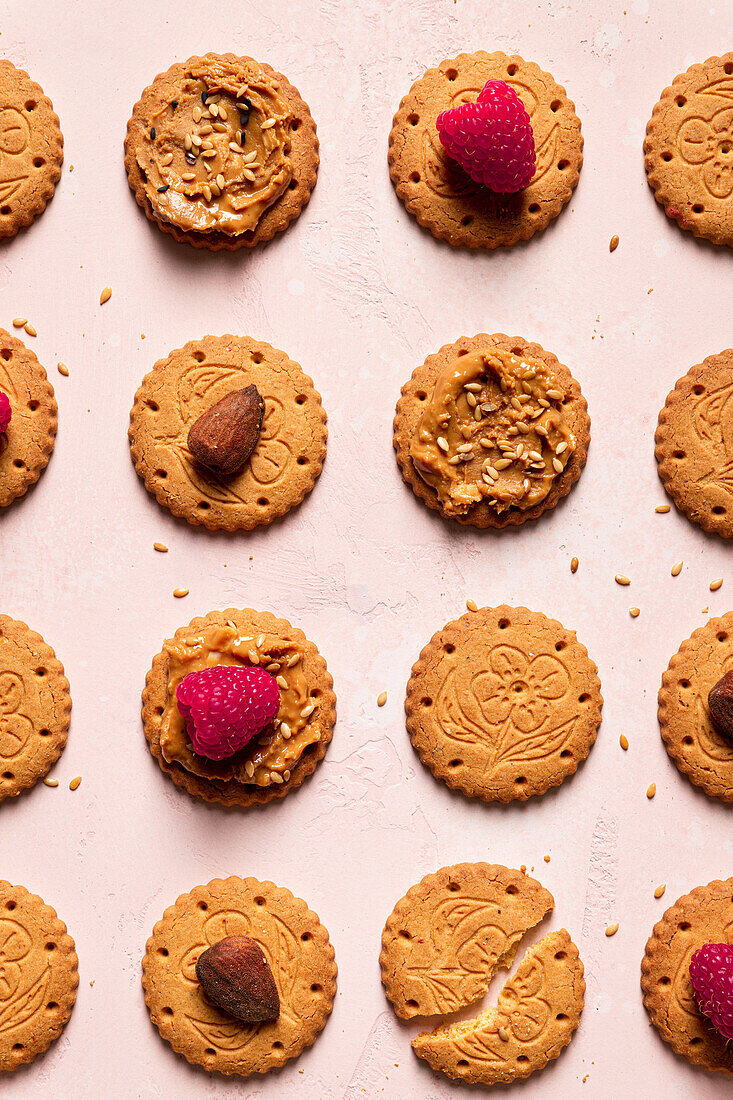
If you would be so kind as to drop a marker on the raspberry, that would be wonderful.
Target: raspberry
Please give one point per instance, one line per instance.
(5, 412)
(711, 975)
(491, 139)
(225, 706)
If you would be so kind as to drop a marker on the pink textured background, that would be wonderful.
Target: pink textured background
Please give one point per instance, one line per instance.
(359, 295)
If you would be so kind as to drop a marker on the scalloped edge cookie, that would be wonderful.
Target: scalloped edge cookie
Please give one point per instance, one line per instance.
(407, 415)
(35, 453)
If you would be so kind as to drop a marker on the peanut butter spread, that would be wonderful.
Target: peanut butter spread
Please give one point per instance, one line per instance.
(493, 429)
(269, 757)
(217, 152)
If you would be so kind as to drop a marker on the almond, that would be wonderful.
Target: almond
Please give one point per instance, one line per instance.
(223, 437)
(720, 704)
(236, 976)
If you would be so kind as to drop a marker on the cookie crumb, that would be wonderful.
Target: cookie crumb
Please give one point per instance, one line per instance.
(105, 295)
(19, 322)
(51, 782)
(621, 579)
(62, 369)
(715, 585)
(574, 565)
(662, 509)
(28, 327)
(660, 890)
(651, 790)
(547, 859)
(677, 568)
(75, 783)
(160, 547)
(471, 605)
(612, 929)
(381, 698)
(635, 612)
(624, 742)
(179, 593)
(613, 243)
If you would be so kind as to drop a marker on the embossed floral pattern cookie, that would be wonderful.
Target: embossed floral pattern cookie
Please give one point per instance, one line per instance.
(221, 152)
(38, 976)
(28, 441)
(703, 916)
(697, 748)
(287, 751)
(437, 192)
(35, 707)
(296, 947)
(537, 1013)
(491, 431)
(287, 457)
(448, 936)
(694, 444)
(689, 150)
(31, 149)
(503, 704)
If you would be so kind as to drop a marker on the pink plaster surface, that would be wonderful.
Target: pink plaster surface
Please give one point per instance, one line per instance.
(359, 295)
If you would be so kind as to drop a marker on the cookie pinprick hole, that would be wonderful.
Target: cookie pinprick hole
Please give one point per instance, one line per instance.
(561, 1016)
(522, 1058)
(503, 624)
(679, 454)
(52, 1006)
(421, 395)
(316, 988)
(412, 1003)
(426, 702)
(560, 955)
(203, 906)
(722, 636)
(41, 672)
(30, 104)
(295, 125)
(163, 952)
(534, 208)
(664, 981)
(449, 648)
(511, 69)
(50, 946)
(413, 119)
(462, 1062)
(277, 1045)
(211, 1052)
(305, 937)
(302, 460)
(680, 100)
(698, 208)
(257, 357)
(454, 887)
(301, 399)
(565, 753)
(4, 210)
(44, 733)
(404, 934)
(584, 697)
(17, 1046)
(199, 356)
(451, 74)
(10, 906)
(684, 926)
(19, 463)
(560, 646)
(6, 353)
(259, 901)
(468, 220)
(152, 405)
(698, 389)
(34, 405)
(38, 162)
(520, 780)
(719, 510)
(292, 185)
(263, 502)
(8, 775)
(512, 889)
(162, 474)
(666, 157)
(455, 763)
(687, 741)
(415, 177)
(728, 68)
(555, 106)
(203, 505)
(563, 164)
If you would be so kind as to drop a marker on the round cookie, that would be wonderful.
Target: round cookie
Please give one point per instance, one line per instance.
(689, 150)
(703, 916)
(439, 194)
(416, 398)
(31, 149)
(35, 707)
(503, 704)
(447, 937)
(288, 455)
(159, 126)
(537, 1013)
(691, 739)
(38, 976)
(215, 784)
(296, 946)
(694, 444)
(26, 446)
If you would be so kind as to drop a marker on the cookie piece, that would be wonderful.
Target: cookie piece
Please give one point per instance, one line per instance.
(688, 146)
(704, 916)
(296, 946)
(35, 707)
(437, 191)
(31, 149)
(691, 739)
(503, 704)
(38, 976)
(448, 936)
(537, 1014)
(259, 773)
(288, 455)
(221, 152)
(26, 446)
(491, 431)
(694, 444)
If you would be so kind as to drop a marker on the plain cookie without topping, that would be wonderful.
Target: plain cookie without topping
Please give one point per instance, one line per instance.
(441, 196)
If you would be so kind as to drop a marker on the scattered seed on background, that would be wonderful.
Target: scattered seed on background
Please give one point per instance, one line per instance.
(18, 322)
(179, 593)
(715, 585)
(677, 568)
(662, 509)
(623, 742)
(621, 579)
(471, 605)
(651, 790)
(660, 890)
(574, 565)
(613, 243)
(381, 698)
(612, 929)
(634, 612)
(75, 783)
(51, 782)
(105, 295)
(62, 369)
(28, 327)
(160, 547)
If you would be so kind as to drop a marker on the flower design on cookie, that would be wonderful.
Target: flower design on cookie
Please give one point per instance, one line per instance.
(710, 145)
(518, 689)
(15, 727)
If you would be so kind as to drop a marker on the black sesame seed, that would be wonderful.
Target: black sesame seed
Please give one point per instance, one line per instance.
(190, 158)
(152, 134)
(174, 104)
(163, 188)
(204, 96)
(243, 118)
(247, 103)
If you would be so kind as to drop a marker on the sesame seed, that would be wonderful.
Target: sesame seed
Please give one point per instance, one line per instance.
(659, 892)
(624, 742)
(282, 682)
(381, 698)
(471, 605)
(276, 777)
(613, 243)
(18, 322)
(574, 565)
(662, 509)
(248, 174)
(179, 593)
(249, 157)
(75, 783)
(651, 790)
(268, 123)
(715, 585)
(51, 782)
(188, 176)
(62, 369)
(612, 930)
(105, 295)
(677, 568)
(30, 329)
(442, 443)
(307, 711)
(524, 428)
(160, 547)
(502, 463)
(249, 768)
(634, 612)
(557, 466)
(621, 579)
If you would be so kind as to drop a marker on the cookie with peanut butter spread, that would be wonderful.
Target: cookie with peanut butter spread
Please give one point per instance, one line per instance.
(288, 453)
(221, 152)
(503, 704)
(287, 750)
(703, 916)
(296, 947)
(27, 443)
(491, 431)
(31, 149)
(436, 190)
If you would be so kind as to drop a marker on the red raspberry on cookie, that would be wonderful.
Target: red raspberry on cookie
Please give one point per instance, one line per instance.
(711, 977)
(5, 412)
(225, 706)
(491, 139)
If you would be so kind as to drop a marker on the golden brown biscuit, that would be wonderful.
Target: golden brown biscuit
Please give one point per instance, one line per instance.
(689, 150)
(26, 446)
(258, 773)
(704, 916)
(221, 198)
(448, 936)
(437, 192)
(532, 488)
(288, 455)
(35, 707)
(503, 704)
(38, 976)
(691, 739)
(694, 444)
(31, 149)
(296, 946)
(538, 1011)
